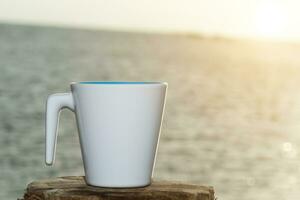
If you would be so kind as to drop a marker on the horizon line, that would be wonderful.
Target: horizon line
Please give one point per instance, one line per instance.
(188, 33)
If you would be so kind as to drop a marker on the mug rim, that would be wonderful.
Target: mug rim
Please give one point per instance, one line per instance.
(119, 83)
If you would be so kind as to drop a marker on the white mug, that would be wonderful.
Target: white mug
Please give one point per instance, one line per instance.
(119, 127)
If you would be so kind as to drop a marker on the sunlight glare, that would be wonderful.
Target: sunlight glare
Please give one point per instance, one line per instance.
(270, 20)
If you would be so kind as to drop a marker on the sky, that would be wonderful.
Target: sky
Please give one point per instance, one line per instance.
(276, 19)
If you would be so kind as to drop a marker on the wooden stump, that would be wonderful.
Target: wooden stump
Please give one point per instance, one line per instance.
(75, 188)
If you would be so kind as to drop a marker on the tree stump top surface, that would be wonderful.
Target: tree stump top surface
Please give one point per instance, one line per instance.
(75, 188)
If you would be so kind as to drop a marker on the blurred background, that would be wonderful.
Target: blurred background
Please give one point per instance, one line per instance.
(232, 118)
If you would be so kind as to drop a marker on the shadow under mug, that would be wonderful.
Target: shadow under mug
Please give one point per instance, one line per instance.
(119, 126)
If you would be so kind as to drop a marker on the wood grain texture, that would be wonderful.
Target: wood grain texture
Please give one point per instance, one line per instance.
(75, 188)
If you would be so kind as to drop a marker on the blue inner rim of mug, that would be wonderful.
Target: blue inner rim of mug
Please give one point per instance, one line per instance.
(117, 82)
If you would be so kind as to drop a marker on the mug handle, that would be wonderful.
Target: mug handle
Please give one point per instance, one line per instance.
(55, 103)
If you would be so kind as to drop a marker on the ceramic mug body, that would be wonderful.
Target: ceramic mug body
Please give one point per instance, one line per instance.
(119, 126)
